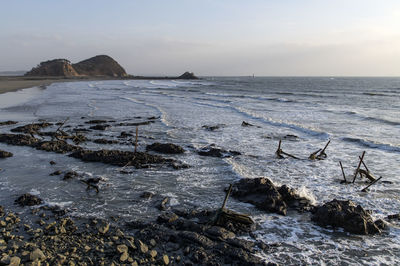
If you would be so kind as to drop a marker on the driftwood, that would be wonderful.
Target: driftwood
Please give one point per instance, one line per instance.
(367, 174)
(319, 154)
(279, 152)
(358, 167)
(224, 215)
(373, 182)
(344, 176)
(136, 138)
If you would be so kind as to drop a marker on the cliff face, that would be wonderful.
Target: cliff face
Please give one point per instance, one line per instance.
(101, 65)
(56, 67)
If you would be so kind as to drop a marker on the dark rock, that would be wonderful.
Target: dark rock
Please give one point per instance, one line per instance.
(245, 124)
(125, 135)
(100, 127)
(58, 172)
(120, 158)
(213, 128)
(179, 166)
(167, 148)
(97, 121)
(105, 141)
(52, 162)
(163, 204)
(135, 124)
(347, 215)
(188, 75)
(70, 175)
(1, 210)
(6, 123)
(216, 152)
(58, 146)
(5, 154)
(28, 200)
(18, 139)
(147, 195)
(167, 217)
(266, 196)
(31, 128)
(393, 216)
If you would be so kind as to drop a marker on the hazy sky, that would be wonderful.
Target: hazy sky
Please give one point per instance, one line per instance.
(209, 37)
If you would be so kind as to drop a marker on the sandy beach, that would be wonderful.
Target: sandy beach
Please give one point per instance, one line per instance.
(8, 83)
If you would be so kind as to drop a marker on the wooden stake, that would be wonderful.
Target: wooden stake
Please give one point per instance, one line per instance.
(365, 189)
(288, 154)
(358, 167)
(322, 154)
(279, 151)
(366, 168)
(226, 196)
(136, 139)
(344, 176)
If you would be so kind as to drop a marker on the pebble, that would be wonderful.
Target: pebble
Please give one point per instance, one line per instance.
(37, 254)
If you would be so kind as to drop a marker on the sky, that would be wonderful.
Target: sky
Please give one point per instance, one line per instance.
(207, 37)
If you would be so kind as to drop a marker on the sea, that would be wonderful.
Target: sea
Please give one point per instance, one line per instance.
(356, 114)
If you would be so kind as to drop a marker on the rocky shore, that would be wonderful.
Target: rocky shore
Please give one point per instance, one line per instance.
(51, 236)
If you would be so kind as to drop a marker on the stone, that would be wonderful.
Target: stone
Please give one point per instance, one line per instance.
(37, 254)
(212, 151)
(142, 247)
(124, 257)
(104, 228)
(347, 215)
(153, 253)
(167, 217)
(122, 248)
(165, 259)
(167, 148)
(28, 200)
(5, 154)
(14, 261)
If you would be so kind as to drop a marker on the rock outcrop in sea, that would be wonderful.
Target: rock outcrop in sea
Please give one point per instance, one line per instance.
(100, 65)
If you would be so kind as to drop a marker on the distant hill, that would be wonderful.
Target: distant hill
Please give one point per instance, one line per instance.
(100, 65)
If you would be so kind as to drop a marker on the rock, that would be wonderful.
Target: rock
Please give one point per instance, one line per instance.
(165, 259)
(58, 172)
(124, 257)
(167, 148)
(167, 217)
(188, 75)
(96, 121)
(260, 192)
(58, 146)
(18, 139)
(100, 127)
(147, 195)
(220, 232)
(105, 141)
(104, 228)
(37, 254)
(5, 154)
(52, 162)
(216, 152)
(347, 215)
(120, 158)
(122, 248)
(245, 124)
(153, 253)
(70, 175)
(6, 123)
(15, 261)
(125, 135)
(143, 248)
(28, 200)
(5, 259)
(213, 128)
(31, 128)
(100, 65)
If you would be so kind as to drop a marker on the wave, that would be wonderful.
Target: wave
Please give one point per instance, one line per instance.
(372, 144)
(269, 121)
(366, 117)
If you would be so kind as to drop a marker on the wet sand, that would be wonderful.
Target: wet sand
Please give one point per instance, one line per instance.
(9, 84)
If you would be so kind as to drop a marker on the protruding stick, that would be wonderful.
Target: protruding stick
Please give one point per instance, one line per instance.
(288, 154)
(344, 176)
(326, 146)
(136, 139)
(358, 167)
(227, 196)
(279, 151)
(365, 189)
(366, 168)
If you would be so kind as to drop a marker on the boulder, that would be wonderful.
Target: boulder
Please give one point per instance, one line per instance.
(167, 148)
(212, 151)
(28, 200)
(188, 75)
(262, 193)
(347, 215)
(5, 154)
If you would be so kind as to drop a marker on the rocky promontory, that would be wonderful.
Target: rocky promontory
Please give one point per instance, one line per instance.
(100, 65)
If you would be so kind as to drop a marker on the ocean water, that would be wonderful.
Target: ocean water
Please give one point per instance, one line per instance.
(356, 114)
